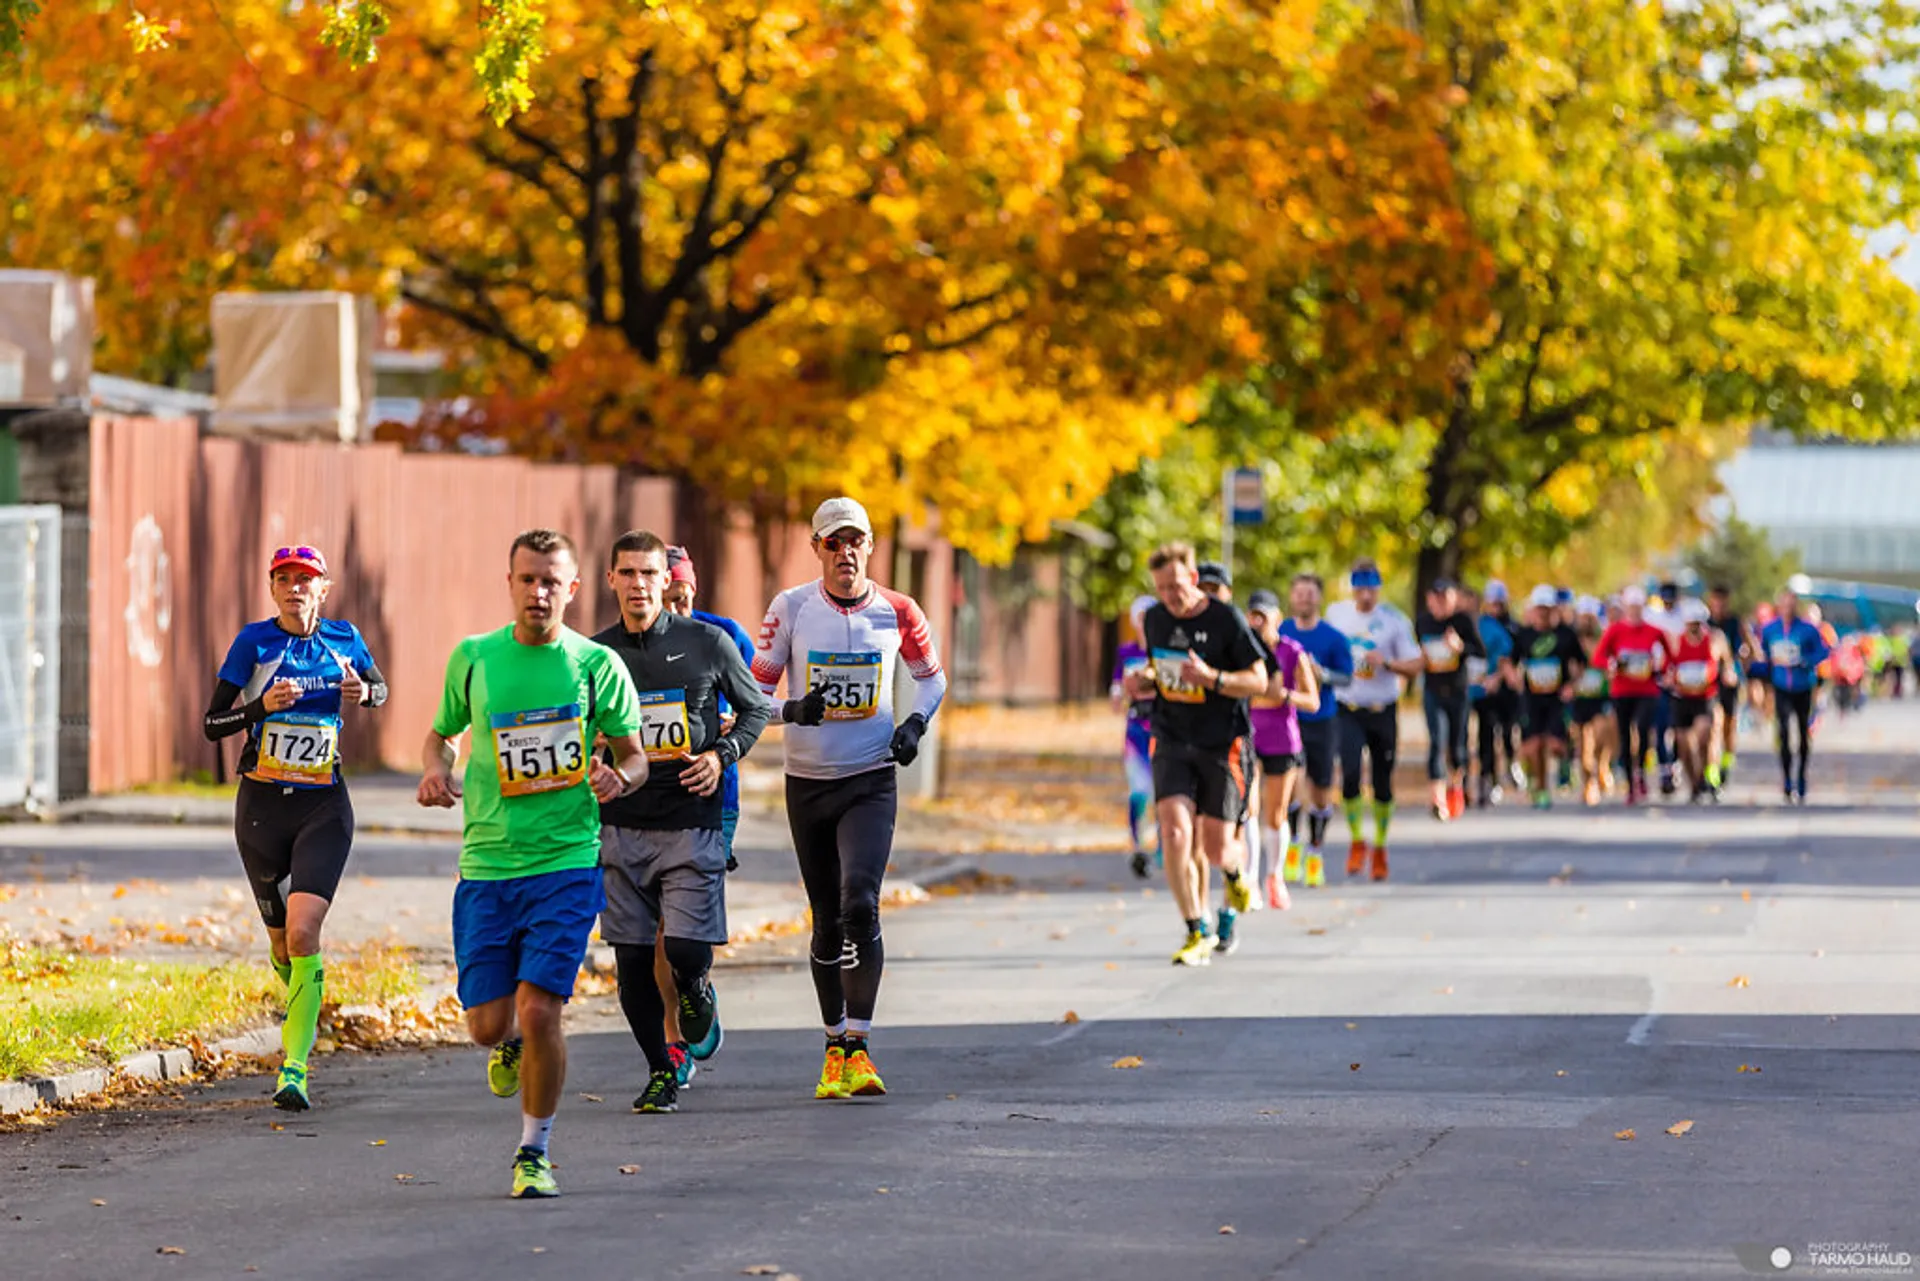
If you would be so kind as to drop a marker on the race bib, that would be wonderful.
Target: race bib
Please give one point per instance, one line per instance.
(1784, 653)
(298, 747)
(1166, 670)
(663, 724)
(1637, 664)
(1543, 675)
(1132, 666)
(1593, 683)
(851, 683)
(1693, 677)
(1476, 670)
(1364, 667)
(1440, 655)
(540, 751)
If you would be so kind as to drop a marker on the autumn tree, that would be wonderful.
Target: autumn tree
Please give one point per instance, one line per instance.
(1676, 200)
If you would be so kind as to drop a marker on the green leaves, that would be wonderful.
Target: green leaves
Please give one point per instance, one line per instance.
(514, 40)
(353, 29)
(14, 17)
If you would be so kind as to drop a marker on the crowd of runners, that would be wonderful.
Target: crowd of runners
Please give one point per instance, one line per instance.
(600, 790)
(1236, 721)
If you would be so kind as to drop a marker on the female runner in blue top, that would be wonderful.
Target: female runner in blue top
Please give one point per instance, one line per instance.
(284, 683)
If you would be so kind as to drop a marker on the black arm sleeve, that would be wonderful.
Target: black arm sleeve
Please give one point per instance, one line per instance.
(223, 719)
(751, 708)
(376, 686)
(1469, 632)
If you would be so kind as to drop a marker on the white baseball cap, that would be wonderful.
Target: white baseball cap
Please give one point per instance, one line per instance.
(840, 513)
(1692, 610)
(1543, 597)
(1633, 595)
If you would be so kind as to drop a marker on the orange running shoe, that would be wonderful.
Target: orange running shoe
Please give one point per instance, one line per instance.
(1356, 857)
(1277, 896)
(1379, 862)
(1456, 801)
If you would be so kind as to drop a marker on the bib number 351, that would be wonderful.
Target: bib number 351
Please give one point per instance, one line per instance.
(849, 682)
(540, 751)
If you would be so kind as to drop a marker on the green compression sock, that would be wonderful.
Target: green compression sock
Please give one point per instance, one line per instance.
(1356, 809)
(303, 1008)
(283, 968)
(1382, 819)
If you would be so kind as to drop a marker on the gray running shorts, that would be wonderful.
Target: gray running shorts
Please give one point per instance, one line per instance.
(675, 878)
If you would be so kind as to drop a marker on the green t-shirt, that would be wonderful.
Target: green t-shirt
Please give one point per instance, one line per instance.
(533, 711)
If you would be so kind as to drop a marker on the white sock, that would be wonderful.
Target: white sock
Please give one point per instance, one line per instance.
(1277, 839)
(535, 1132)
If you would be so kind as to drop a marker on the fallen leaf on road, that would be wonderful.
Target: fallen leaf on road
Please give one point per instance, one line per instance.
(593, 1098)
(760, 1270)
(403, 1178)
(539, 1249)
(953, 1096)
(1070, 1017)
(1740, 980)
(1746, 896)
(98, 1201)
(1352, 1026)
(1353, 1067)
(1679, 1128)
(1226, 1229)
(1317, 930)
(1113, 965)
(1748, 1067)
(1819, 951)
(1561, 1072)
(1624, 1134)
(1131, 1061)
(1443, 991)
(171, 1249)
(629, 1169)
(882, 1191)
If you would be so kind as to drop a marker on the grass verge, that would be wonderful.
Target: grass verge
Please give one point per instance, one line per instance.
(61, 1009)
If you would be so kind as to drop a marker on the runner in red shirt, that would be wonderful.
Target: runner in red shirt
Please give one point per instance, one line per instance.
(1634, 654)
(1701, 662)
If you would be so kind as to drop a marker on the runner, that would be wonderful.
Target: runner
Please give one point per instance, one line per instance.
(1136, 751)
(1700, 669)
(1332, 659)
(1721, 753)
(1547, 659)
(1291, 688)
(534, 693)
(663, 849)
(1216, 580)
(1634, 653)
(292, 817)
(1498, 707)
(1449, 637)
(844, 635)
(1206, 663)
(680, 594)
(1593, 728)
(1795, 649)
(1663, 613)
(1384, 650)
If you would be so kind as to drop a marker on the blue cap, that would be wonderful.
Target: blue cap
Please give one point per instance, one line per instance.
(1364, 578)
(1564, 596)
(1496, 592)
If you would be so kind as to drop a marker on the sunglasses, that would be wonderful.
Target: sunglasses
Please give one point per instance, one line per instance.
(304, 553)
(852, 542)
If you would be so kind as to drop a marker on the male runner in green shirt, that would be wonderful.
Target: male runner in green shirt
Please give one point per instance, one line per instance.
(534, 695)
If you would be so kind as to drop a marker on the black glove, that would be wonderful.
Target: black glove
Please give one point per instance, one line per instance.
(810, 710)
(733, 864)
(906, 739)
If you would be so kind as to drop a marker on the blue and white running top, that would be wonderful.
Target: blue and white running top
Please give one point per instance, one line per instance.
(300, 746)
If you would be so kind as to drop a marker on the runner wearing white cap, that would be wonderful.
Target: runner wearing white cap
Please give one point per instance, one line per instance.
(1547, 659)
(1136, 752)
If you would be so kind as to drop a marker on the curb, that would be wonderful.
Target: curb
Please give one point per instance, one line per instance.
(17, 1097)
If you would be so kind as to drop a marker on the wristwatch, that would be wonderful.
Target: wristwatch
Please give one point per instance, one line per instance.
(1217, 678)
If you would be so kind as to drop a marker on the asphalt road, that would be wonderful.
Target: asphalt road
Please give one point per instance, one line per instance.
(1424, 1079)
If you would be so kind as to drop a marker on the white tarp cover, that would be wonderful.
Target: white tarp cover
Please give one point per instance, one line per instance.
(293, 365)
(48, 315)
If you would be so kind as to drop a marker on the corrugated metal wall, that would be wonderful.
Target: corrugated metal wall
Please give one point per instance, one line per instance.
(182, 528)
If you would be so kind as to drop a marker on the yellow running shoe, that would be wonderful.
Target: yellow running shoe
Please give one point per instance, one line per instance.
(833, 1075)
(1240, 894)
(1290, 869)
(503, 1068)
(860, 1077)
(1316, 872)
(1197, 950)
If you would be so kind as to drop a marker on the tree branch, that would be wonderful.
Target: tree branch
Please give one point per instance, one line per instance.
(492, 325)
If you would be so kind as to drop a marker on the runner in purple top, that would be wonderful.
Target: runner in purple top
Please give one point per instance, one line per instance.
(1292, 685)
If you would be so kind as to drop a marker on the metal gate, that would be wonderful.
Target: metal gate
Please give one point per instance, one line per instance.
(29, 656)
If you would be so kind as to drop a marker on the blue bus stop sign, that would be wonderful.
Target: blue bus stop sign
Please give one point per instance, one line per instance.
(1246, 500)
